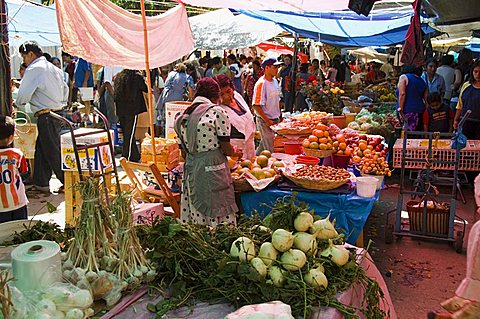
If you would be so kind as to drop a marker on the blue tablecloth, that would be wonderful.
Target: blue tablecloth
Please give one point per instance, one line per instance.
(350, 211)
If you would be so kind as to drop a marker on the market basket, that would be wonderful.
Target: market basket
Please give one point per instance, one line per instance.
(316, 184)
(438, 217)
(317, 153)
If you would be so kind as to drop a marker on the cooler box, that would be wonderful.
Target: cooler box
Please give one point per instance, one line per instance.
(97, 158)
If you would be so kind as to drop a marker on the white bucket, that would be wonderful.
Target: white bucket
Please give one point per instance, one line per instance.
(366, 186)
(379, 179)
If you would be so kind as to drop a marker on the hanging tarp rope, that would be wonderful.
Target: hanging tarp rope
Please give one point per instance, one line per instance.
(105, 34)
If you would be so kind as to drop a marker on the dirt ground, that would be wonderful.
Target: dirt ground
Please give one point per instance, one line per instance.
(419, 274)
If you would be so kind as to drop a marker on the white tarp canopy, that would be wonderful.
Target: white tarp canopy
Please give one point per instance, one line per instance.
(221, 29)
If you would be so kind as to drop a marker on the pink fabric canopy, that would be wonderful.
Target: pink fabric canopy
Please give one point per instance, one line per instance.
(105, 34)
(283, 5)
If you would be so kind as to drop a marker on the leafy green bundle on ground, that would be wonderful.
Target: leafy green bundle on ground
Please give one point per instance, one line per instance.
(194, 263)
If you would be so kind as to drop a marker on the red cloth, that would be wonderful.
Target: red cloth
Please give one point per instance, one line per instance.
(412, 53)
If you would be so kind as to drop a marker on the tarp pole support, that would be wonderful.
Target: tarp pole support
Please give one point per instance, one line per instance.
(293, 80)
(5, 89)
(149, 81)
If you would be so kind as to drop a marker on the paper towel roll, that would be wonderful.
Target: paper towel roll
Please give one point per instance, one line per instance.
(36, 265)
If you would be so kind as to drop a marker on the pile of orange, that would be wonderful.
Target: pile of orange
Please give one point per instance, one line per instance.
(319, 139)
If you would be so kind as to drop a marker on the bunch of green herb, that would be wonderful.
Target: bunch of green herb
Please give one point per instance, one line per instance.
(194, 264)
(40, 230)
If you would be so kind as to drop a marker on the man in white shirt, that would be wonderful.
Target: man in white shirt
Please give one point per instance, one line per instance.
(266, 103)
(43, 86)
(387, 68)
(448, 74)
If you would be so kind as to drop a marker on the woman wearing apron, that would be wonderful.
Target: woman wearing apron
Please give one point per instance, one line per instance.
(204, 136)
(242, 134)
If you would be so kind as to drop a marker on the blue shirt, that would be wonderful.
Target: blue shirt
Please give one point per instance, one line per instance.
(436, 85)
(81, 68)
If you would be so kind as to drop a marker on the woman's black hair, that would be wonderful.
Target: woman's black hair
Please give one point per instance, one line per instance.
(434, 97)
(122, 84)
(206, 87)
(476, 64)
(304, 67)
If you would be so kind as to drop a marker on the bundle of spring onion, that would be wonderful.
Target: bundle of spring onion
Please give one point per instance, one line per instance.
(250, 264)
(105, 256)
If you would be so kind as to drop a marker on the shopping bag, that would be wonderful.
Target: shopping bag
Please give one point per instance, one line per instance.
(459, 141)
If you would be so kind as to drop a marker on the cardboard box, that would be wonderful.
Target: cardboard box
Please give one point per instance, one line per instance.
(172, 110)
(98, 157)
(145, 213)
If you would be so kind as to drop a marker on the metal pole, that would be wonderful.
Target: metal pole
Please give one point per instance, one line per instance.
(149, 82)
(5, 90)
(293, 80)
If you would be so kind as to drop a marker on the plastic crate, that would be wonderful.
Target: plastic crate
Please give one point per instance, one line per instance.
(469, 159)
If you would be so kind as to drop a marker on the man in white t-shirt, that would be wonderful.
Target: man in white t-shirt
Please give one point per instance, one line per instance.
(387, 68)
(448, 74)
(266, 103)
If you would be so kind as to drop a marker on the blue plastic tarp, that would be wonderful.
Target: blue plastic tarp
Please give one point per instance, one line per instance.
(31, 22)
(350, 210)
(343, 28)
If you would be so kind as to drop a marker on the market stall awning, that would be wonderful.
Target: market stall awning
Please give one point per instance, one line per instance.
(343, 28)
(105, 34)
(281, 49)
(222, 29)
(32, 22)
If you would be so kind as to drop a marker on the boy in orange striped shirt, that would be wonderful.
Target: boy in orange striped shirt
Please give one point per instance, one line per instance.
(13, 200)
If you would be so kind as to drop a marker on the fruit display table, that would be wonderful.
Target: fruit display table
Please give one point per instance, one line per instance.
(350, 211)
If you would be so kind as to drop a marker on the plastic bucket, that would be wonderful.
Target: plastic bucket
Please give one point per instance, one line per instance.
(366, 186)
(340, 161)
(293, 147)
(309, 160)
(379, 179)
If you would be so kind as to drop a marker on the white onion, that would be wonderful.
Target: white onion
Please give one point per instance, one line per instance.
(243, 248)
(324, 229)
(305, 242)
(82, 299)
(316, 278)
(282, 240)
(276, 274)
(267, 253)
(74, 314)
(259, 266)
(46, 306)
(303, 221)
(337, 253)
(293, 259)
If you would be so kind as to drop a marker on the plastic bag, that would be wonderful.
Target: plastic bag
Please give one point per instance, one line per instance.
(273, 309)
(61, 300)
(459, 141)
